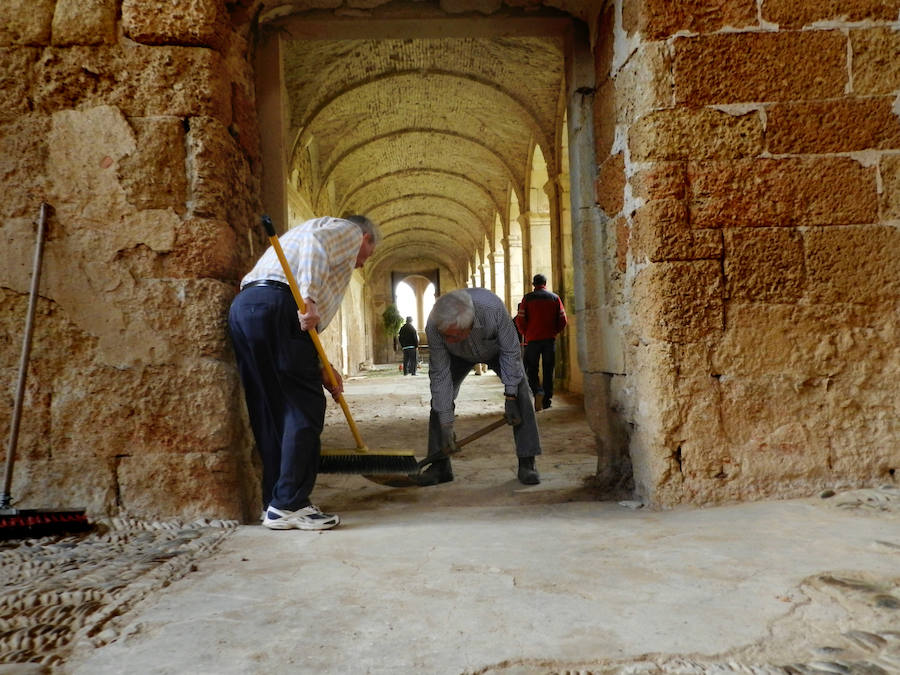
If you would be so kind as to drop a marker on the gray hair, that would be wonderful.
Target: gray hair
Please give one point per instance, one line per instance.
(453, 309)
(366, 226)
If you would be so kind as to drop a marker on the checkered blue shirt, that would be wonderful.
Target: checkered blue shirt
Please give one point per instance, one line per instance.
(322, 256)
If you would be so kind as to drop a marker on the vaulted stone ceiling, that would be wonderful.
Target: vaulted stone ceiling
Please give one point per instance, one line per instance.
(426, 135)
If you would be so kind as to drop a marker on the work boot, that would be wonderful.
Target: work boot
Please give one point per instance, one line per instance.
(528, 475)
(440, 471)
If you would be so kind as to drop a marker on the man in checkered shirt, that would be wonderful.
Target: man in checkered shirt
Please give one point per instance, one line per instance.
(278, 362)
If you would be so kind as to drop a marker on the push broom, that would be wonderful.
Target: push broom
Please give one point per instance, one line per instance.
(360, 460)
(22, 523)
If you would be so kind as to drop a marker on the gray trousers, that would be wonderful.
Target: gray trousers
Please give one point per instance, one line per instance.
(527, 439)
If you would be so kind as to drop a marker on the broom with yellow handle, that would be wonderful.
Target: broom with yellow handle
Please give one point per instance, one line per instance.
(360, 460)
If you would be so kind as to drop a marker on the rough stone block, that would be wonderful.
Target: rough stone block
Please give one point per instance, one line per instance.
(23, 155)
(759, 67)
(142, 81)
(611, 184)
(153, 176)
(244, 123)
(36, 485)
(680, 301)
(790, 434)
(221, 180)
(778, 192)
(175, 409)
(764, 264)
(189, 485)
(26, 22)
(663, 180)
(853, 264)
(890, 180)
(875, 61)
(604, 49)
(194, 23)
(776, 441)
(604, 119)
(659, 19)
(800, 13)
(844, 125)
(15, 76)
(207, 248)
(644, 82)
(84, 148)
(84, 22)
(805, 342)
(661, 232)
(704, 133)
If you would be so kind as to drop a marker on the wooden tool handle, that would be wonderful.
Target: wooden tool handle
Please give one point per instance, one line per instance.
(301, 305)
(496, 424)
(444, 453)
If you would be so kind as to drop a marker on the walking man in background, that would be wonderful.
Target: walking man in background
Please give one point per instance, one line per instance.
(409, 340)
(278, 362)
(540, 319)
(467, 327)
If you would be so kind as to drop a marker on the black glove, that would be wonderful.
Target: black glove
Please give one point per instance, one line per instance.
(448, 439)
(511, 412)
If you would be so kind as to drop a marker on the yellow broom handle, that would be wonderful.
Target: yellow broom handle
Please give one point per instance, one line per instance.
(295, 290)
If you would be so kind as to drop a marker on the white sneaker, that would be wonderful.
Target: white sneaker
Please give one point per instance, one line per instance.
(307, 518)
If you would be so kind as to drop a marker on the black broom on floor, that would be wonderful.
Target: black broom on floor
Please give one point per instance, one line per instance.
(22, 523)
(360, 460)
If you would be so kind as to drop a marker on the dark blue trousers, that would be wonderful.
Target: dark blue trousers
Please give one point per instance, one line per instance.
(525, 436)
(410, 356)
(282, 379)
(540, 355)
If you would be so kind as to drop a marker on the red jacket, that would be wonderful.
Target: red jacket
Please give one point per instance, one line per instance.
(541, 315)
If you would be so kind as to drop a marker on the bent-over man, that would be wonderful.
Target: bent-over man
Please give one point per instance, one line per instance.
(466, 327)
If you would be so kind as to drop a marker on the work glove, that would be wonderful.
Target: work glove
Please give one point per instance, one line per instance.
(511, 412)
(448, 439)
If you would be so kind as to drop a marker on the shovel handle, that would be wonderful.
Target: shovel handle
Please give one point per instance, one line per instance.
(301, 305)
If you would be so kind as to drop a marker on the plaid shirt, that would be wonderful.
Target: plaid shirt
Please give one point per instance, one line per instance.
(493, 334)
(322, 256)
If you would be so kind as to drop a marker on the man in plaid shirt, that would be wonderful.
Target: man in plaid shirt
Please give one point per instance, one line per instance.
(278, 362)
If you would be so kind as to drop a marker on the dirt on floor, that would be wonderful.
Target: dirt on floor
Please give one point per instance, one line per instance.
(391, 411)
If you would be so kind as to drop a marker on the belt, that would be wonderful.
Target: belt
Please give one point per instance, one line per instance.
(268, 283)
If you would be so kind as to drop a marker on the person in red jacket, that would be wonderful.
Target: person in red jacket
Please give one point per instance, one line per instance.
(540, 319)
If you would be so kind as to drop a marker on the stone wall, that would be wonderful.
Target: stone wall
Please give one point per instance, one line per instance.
(748, 158)
(135, 121)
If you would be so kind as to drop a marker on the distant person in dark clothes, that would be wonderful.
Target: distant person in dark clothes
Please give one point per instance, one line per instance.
(540, 319)
(409, 340)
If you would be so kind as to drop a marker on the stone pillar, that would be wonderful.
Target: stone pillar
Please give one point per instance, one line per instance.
(515, 272)
(272, 110)
(499, 275)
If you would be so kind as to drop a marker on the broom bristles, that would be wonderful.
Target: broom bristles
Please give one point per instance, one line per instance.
(33, 523)
(363, 461)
